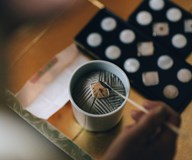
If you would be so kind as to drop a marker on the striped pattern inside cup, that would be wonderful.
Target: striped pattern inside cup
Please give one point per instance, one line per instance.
(84, 99)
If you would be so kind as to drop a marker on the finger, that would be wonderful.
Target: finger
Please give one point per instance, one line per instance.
(151, 104)
(137, 115)
(165, 139)
(150, 122)
(166, 135)
(173, 117)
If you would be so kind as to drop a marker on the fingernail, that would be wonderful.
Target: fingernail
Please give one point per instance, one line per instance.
(146, 103)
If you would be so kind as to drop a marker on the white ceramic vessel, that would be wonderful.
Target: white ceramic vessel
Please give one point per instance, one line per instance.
(98, 122)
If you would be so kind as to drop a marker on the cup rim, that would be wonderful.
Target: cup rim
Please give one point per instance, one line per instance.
(99, 115)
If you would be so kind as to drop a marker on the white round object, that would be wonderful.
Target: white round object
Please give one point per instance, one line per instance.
(179, 41)
(156, 5)
(184, 75)
(174, 14)
(113, 52)
(144, 18)
(171, 92)
(165, 62)
(131, 65)
(108, 24)
(94, 39)
(127, 36)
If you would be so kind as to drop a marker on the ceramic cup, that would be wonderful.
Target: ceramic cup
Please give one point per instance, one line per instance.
(97, 122)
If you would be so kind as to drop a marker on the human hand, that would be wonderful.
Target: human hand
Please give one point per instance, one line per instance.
(148, 138)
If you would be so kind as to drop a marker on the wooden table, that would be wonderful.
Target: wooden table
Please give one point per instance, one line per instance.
(32, 46)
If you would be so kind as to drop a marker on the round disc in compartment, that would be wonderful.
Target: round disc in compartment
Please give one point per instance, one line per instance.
(179, 41)
(156, 5)
(174, 14)
(94, 39)
(131, 65)
(144, 18)
(171, 91)
(127, 36)
(113, 52)
(108, 24)
(165, 62)
(184, 75)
